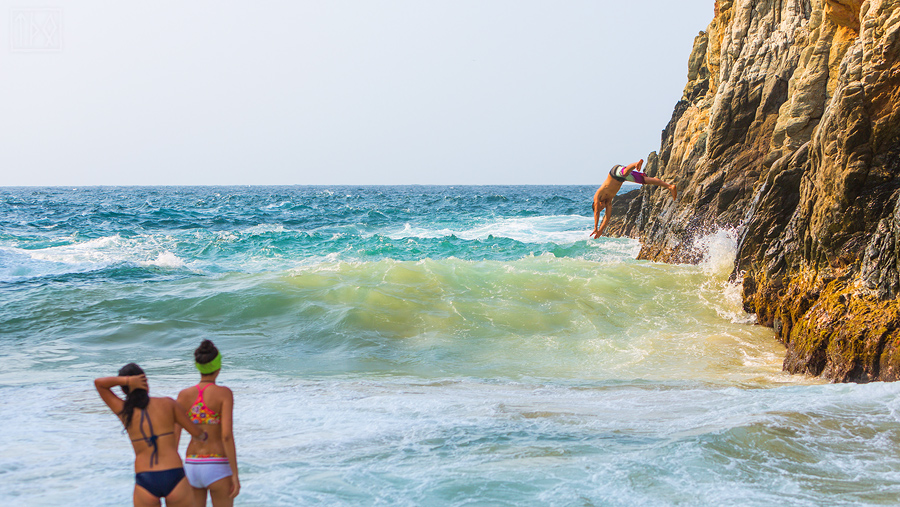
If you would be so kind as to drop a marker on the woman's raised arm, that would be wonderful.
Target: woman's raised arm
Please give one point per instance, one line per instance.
(104, 386)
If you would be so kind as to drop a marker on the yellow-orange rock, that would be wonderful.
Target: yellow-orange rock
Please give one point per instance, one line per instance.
(789, 131)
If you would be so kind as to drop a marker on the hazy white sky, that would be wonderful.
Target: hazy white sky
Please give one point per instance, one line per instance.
(335, 91)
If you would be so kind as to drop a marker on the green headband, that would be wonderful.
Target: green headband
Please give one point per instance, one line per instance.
(210, 367)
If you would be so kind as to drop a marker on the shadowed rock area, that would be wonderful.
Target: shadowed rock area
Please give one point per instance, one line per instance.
(788, 132)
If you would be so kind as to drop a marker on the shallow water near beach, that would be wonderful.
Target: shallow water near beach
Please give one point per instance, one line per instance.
(413, 346)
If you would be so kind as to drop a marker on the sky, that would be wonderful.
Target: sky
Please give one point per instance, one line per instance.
(330, 92)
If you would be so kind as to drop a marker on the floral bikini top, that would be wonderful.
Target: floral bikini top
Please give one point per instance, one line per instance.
(200, 413)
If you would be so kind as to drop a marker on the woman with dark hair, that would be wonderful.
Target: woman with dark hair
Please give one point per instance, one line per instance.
(157, 467)
(211, 466)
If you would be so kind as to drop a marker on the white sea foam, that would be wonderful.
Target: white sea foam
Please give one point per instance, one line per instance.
(228, 237)
(95, 254)
(99, 251)
(719, 250)
(320, 263)
(276, 205)
(608, 250)
(261, 229)
(733, 305)
(559, 229)
(165, 260)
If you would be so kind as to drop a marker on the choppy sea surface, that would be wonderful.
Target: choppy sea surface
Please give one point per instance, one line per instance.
(413, 346)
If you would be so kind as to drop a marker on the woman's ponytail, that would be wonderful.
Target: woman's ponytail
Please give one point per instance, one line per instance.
(134, 398)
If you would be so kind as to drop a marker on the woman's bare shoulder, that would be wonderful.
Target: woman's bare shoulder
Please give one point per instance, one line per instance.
(220, 393)
(222, 389)
(187, 391)
(160, 405)
(161, 400)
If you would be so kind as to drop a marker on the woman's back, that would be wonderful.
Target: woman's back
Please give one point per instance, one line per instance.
(152, 434)
(205, 403)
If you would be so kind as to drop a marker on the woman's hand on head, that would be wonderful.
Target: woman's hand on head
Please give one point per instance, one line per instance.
(137, 382)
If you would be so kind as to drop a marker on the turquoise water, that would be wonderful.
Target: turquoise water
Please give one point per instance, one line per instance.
(413, 346)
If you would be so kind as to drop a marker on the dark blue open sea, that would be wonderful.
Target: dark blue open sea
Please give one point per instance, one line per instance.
(413, 346)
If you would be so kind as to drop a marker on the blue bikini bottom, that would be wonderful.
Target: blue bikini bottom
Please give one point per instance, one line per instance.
(159, 483)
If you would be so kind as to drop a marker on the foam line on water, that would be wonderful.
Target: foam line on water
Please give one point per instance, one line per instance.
(544, 229)
(91, 255)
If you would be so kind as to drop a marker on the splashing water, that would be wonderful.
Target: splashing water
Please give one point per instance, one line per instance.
(718, 259)
(719, 250)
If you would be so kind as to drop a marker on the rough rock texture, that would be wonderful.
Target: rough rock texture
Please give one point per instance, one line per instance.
(788, 133)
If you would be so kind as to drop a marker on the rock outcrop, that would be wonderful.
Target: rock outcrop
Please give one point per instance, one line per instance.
(788, 133)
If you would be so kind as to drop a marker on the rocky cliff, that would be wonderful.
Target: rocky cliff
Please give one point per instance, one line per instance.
(788, 133)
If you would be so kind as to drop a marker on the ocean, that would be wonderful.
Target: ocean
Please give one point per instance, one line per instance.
(413, 346)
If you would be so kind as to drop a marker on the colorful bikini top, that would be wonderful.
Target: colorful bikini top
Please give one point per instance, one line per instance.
(200, 413)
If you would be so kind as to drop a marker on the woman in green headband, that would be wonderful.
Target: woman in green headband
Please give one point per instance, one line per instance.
(211, 466)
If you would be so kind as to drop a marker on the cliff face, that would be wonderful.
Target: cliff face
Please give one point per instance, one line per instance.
(788, 132)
